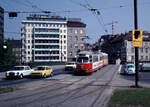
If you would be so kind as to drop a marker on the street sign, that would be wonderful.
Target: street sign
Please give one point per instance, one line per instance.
(137, 38)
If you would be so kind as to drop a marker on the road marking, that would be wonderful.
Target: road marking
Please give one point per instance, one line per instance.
(119, 70)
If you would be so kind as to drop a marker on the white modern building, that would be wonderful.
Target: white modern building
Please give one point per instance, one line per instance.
(44, 39)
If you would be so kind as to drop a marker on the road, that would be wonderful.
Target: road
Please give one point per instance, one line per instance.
(65, 89)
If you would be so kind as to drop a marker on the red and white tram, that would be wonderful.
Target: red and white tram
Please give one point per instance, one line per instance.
(88, 62)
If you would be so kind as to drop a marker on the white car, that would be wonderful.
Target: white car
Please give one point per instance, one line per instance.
(19, 72)
(70, 66)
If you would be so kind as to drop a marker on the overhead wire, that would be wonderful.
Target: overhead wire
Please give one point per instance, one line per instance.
(96, 13)
(19, 2)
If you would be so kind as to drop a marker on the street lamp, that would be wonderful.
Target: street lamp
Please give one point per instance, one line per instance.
(4, 47)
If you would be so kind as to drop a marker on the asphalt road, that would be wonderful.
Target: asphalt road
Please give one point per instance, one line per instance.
(65, 89)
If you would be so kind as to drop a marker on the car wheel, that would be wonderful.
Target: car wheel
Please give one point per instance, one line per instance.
(21, 76)
(51, 74)
(44, 76)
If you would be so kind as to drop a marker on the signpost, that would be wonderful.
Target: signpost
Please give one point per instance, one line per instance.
(136, 48)
(137, 38)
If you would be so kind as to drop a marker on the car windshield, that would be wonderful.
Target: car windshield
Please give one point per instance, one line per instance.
(39, 68)
(82, 59)
(17, 68)
(130, 66)
(146, 63)
(70, 63)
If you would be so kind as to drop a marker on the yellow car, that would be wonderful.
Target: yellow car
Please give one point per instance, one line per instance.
(42, 71)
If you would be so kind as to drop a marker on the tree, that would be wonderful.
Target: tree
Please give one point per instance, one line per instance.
(6, 54)
(1, 52)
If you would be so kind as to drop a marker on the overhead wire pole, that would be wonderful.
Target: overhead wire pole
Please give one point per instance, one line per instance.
(136, 48)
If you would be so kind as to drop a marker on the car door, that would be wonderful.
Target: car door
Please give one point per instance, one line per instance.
(27, 71)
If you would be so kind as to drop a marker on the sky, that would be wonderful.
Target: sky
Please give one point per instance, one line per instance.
(120, 11)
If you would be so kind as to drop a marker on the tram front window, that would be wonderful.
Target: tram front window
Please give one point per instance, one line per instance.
(82, 59)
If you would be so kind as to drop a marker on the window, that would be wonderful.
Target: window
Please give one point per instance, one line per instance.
(146, 58)
(28, 41)
(64, 41)
(141, 50)
(28, 58)
(76, 46)
(64, 57)
(28, 52)
(132, 57)
(141, 57)
(29, 47)
(76, 38)
(132, 50)
(146, 50)
(81, 31)
(64, 31)
(71, 30)
(76, 32)
(64, 36)
(146, 44)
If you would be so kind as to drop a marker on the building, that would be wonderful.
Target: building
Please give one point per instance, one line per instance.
(44, 39)
(1, 22)
(127, 50)
(16, 48)
(76, 37)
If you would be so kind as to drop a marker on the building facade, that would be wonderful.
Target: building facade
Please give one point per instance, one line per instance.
(16, 48)
(76, 37)
(44, 39)
(1, 22)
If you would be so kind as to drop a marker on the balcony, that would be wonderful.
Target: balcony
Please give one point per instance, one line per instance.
(42, 60)
(46, 49)
(46, 38)
(46, 32)
(46, 55)
(46, 43)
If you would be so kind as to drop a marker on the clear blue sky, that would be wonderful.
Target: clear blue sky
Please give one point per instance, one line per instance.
(110, 10)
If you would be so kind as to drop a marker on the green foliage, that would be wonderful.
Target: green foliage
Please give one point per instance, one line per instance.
(131, 98)
(1, 52)
(6, 54)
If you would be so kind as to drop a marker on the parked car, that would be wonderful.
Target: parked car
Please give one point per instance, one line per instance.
(18, 72)
(145, 66)
(42, 71)
(129, 68)
(70, 66)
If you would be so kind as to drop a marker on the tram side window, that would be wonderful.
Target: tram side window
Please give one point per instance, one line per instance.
(95, 58)
(101, 58)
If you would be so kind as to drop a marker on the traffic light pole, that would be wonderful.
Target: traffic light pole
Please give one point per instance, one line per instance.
(136, 48)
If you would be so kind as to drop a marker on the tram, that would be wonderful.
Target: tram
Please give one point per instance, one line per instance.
(88, 61)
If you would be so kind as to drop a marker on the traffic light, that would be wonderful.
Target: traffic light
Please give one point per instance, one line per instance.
(137, 38)
(136, 34)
